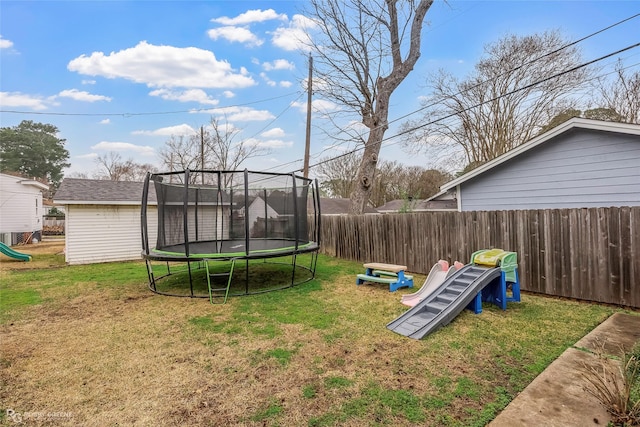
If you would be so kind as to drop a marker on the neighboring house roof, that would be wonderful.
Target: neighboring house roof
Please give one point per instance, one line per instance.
(339, 206)
(74, 191)
(418, 205)
(28, 182)
(576, 122)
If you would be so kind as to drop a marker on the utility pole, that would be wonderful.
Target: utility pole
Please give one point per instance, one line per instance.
(305, 171)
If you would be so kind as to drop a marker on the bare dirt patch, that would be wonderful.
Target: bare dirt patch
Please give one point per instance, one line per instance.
(46, 254)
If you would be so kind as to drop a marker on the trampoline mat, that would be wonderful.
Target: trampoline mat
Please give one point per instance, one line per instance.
(227, 249)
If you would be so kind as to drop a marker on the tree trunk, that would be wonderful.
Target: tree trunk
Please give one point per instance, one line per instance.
(366, 172)
(376, 118)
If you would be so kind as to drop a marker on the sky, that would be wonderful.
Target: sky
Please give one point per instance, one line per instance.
(125, 76)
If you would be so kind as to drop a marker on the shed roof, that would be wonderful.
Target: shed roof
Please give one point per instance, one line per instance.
(74, 191)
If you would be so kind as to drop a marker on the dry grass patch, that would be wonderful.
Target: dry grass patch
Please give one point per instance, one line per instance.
(99, 346)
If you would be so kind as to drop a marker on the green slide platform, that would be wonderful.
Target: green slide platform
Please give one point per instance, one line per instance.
(13, 254)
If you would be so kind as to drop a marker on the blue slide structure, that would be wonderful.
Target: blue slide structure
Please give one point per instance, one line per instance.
(485, 279)
(13, 254)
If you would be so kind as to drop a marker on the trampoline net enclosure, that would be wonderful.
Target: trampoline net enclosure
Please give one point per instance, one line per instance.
(213, 217)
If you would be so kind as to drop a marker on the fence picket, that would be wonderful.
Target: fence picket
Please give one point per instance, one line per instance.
(590, 254)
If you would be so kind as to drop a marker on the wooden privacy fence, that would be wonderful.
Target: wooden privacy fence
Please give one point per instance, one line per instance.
(589, 254)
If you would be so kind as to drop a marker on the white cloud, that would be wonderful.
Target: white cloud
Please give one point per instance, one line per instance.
(17, 99)
(240, 114)
(191, 95)
(270, 143)
(250, 16)
(228, 94)
(88, 82)
(278, 64)
(295, 36)
(105, 121)
(163, 66)
(183, 129)
(235, 34)
(267, 79)
(285, 83)
(273, 133)
(87, 156)
(275, 143)
(5, 44)
(318, 105)
(84, 96)
(143, 150)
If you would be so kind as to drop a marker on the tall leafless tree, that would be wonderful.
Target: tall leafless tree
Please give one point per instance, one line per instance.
(622, 95)
(364, 50)
(215, 147)
(112, 167)
(224, 152)
(509, 97)
(338, 175)
(393, 179)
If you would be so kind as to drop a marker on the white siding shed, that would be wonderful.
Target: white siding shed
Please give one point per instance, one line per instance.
(103, 220)
(105, 233)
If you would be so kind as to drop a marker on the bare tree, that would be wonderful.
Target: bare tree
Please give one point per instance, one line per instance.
(397, 181)
(393, 180)
(112, 167)
(223, 152)
(213, 148)
(338, 175)
(365, 49)
(623, 94)
(509, 97)
(182, 153)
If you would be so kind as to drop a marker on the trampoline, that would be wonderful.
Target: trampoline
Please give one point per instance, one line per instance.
(226, 233)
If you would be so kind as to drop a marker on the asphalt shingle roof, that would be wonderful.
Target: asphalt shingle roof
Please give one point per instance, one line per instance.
(101, 191)
(89, 191)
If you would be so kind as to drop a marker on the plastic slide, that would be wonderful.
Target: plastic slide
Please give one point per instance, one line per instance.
(438, 274)
(445, 302)
(13, 254)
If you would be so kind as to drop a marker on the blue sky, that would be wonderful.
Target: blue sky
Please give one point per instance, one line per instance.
(126, 75)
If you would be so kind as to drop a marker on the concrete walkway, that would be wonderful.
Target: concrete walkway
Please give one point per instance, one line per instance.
(557, 397)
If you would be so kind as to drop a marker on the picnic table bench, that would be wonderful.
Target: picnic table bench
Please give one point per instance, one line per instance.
(391, 274)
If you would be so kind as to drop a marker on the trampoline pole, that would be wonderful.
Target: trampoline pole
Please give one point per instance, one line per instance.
(246, 277)
(219, 206)
(246, 212)
(185, 214)
(293, 269)
(246, 229)
(296, 225)
(190, 278)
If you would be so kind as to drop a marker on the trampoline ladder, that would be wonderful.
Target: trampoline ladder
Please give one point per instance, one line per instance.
(212, 275)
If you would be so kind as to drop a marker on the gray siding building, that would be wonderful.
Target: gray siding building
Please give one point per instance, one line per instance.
(579, 164)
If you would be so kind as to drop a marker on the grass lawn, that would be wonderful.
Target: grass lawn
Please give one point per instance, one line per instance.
(91, 345)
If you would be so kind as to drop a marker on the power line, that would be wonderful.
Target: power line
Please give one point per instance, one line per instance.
(437, 101)
(477, 85)
(414, 128)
